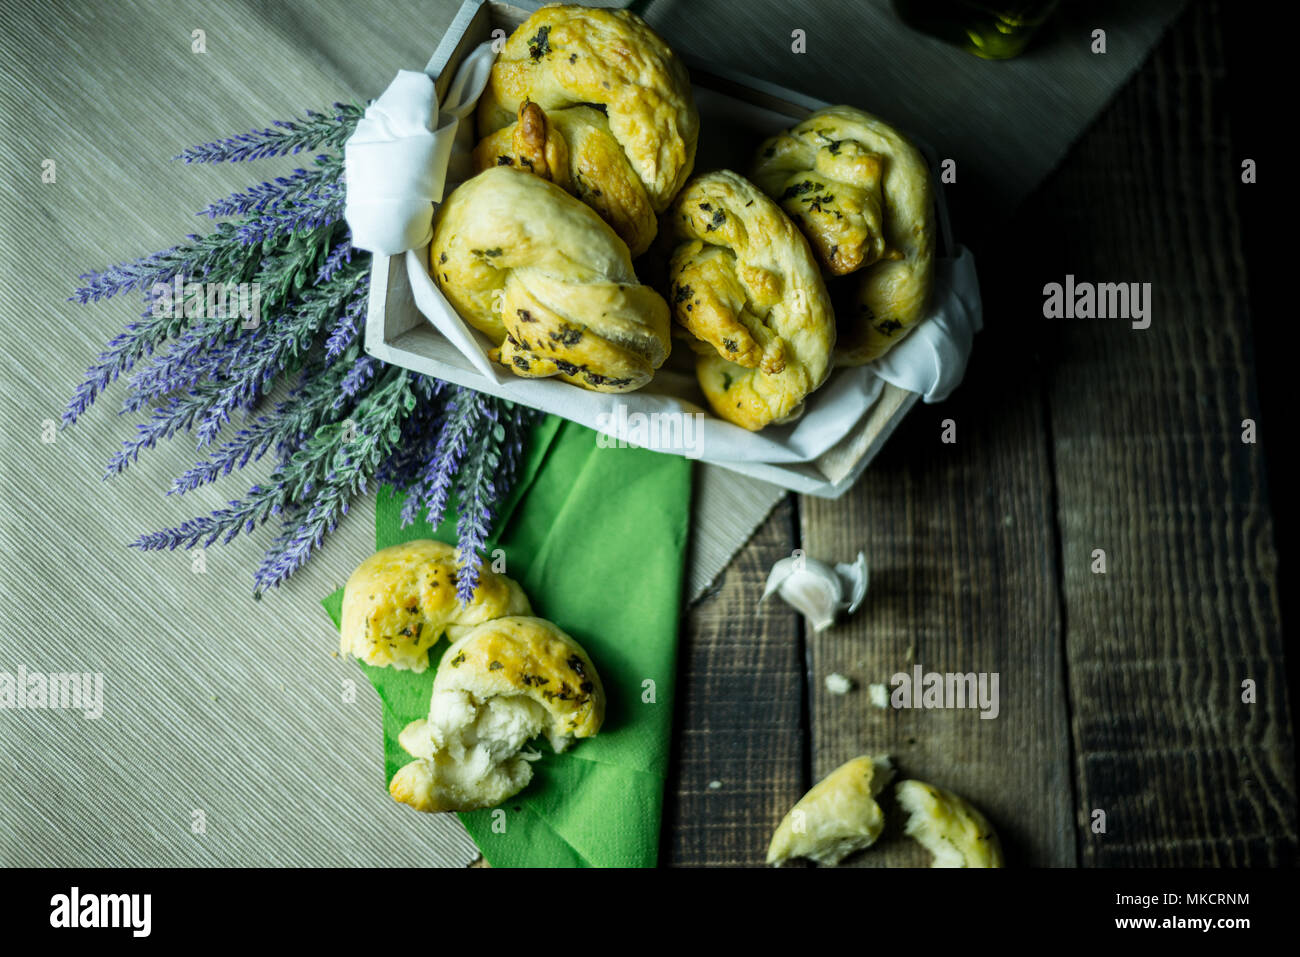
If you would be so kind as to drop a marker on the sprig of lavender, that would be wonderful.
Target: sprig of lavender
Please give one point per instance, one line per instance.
(477, 452)
(203, 347)
(420, 433)
(476, 499)
(120, 355)
(298, 187)
(194, 356)
(284, 137)
(193, 259)
(300, 474)
(288, 338)
(239, 374)
(488, 474)
(357, 379)
(294, 262)
(218, 256)
(324, 207)
(340, 254)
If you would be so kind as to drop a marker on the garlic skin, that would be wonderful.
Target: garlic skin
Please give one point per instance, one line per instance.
(818, 591)
(855, 578)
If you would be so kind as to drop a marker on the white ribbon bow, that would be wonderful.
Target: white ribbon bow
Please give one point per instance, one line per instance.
(397, 161)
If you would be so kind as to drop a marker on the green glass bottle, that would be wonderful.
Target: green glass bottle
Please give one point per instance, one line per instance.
(992, 30)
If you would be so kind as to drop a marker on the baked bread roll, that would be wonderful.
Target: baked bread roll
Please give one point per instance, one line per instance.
(743, 281)
(861, 194)
(838, 817)
(575, 150)
(548, 282)
(402, 599)
(611, 61)
(948, 826)
(499, 686)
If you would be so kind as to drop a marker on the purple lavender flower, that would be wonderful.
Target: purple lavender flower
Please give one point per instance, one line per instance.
(194, 259)
(349, 323)
(308, 407)
(420, 433)
(300, 187)
(339, 255)
(358, 377)
(192, 358)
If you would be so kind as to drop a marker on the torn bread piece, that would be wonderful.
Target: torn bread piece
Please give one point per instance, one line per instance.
(948, 826)
(501, 685)
(402, 599)
(838, 817)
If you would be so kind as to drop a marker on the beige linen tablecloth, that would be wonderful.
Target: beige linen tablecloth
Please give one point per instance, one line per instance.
(230, 734)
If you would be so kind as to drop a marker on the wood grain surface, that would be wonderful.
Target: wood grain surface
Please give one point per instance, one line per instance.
(1146, 430)
(740, 729)
(960, 541)
(1121, 692)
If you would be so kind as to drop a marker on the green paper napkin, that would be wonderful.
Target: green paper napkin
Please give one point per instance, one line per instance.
(597, 538)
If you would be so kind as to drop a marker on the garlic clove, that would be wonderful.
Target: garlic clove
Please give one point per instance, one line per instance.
(816, 590)
(815, 593)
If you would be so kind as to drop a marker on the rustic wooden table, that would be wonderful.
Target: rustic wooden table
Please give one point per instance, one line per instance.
(1120, 692)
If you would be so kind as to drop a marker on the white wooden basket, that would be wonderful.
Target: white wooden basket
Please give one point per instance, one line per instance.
(736, 113)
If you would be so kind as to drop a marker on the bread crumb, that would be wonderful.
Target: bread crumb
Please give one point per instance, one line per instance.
(879, 695)
(836, 683)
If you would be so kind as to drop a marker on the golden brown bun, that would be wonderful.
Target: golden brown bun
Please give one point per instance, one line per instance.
(861, 193)
(548, 281)
(838, 817)
(744, 282)
(402, 599)
(576, 151)
(565, 56)
(499, 686)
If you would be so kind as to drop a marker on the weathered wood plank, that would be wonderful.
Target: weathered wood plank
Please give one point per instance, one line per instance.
(739, 714)
(1151, 467)
(960, 542)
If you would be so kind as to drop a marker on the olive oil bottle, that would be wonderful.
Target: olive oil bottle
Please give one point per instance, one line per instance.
(994, 30)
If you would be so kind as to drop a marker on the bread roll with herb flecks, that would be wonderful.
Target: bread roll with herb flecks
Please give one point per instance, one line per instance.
(609, 60)
(499, 686)
(861, 193)
(548, 281)
(743, 281)
(402, 599)
(948, 826)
